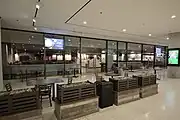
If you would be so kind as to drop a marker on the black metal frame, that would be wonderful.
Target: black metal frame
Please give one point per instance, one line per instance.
(80, 47)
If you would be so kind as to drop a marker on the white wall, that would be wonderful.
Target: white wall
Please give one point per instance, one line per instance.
(1, 74)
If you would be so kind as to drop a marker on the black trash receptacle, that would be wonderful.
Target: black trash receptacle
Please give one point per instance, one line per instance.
(105, 93)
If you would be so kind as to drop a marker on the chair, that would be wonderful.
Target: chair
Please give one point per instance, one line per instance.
(45, 90)
(8, 87)
(70, 80)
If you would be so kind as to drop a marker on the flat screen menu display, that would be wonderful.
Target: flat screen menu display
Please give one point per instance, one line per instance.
(54, 43)
(173, 57)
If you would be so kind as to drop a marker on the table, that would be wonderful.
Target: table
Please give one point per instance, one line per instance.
(112, 74)
(51, 81)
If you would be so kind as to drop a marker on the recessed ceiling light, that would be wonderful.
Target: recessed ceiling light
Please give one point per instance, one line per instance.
(35, 28)
(34, 20)
(167, 38)
(85, 22)
(174, 16)
(124, 30)
(150, 34)
(37, 6)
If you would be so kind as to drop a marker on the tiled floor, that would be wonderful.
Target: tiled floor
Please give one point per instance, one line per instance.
(163, 106)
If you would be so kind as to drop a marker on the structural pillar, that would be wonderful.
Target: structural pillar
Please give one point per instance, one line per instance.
(1, 72)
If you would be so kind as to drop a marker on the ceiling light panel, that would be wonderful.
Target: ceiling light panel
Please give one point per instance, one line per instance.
(173, 16)
(37, 6)
(124, 30)
(84, 22)
(34, 20)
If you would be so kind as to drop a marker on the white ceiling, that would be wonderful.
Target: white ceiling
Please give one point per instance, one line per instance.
(139, 17)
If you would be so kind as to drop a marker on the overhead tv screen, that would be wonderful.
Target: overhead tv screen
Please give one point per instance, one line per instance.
(173, 57)
(54, 43)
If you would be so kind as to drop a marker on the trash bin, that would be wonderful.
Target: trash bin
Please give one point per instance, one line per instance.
(105, 92)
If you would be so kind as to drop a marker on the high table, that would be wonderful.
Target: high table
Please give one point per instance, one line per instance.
(50, 81)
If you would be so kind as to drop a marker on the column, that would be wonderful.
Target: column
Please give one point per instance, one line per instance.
(1, 73)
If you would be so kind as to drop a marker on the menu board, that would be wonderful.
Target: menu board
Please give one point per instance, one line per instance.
(173, 57)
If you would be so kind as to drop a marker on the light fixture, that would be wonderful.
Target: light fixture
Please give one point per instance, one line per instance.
(85, 22)
(167, 38)
(37, 6)
(34, 20)
(32, 36)
(69, 40)
(150, 34)
(124, 30)
(35, 28)
(173, 16)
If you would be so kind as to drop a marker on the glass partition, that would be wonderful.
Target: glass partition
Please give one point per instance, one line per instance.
(112, 58)
(22, 54)
(148, 56)
(122, 55)
(54, 54)
(72, 55)
(134, 56)
(93, 55)
(35, 55)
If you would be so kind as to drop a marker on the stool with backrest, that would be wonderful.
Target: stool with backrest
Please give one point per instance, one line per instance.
(45, 91)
